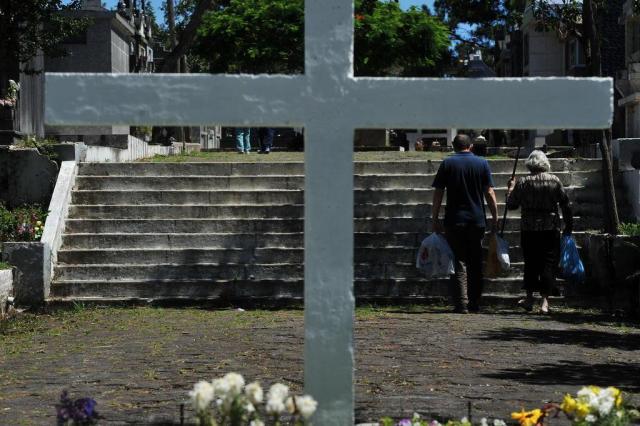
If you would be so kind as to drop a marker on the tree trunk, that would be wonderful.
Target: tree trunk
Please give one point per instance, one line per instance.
(591, 40)
(188, 36)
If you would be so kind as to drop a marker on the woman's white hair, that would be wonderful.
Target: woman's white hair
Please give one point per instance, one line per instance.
(538, 162)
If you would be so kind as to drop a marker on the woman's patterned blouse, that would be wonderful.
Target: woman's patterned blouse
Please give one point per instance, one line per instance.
(539, 196)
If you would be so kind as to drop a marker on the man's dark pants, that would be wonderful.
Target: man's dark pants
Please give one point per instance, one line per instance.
(466, 284)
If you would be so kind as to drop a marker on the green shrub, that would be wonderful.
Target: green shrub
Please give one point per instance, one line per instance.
(24, 223)
(44, 146)
(631, 229)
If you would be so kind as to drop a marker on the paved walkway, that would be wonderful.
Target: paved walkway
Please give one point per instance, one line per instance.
(138, 363)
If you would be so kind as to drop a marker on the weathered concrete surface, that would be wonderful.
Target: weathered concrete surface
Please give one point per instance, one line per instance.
(58, 211)
(139, 363)
(26, 177)
(6, 288)
(33, 260)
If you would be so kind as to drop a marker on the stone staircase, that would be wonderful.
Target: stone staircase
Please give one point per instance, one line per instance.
(234, 231)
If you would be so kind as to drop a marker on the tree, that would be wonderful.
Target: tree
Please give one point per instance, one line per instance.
(267, 36)
(477, 24)
(28, 27)
(390, 41)
(254, 36)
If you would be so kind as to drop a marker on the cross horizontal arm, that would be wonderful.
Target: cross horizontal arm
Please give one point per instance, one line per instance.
(513, 103)
(173, 99)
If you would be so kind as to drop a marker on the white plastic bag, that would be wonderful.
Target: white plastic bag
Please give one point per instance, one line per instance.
(435, 257)
(498, 261)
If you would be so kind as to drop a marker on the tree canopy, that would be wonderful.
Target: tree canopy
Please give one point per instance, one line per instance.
(31, 26)
(267, 36)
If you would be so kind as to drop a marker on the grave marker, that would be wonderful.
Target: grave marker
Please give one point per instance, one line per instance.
(330, 103)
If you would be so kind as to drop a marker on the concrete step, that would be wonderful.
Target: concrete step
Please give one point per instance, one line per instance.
(234, 256)
(244, 290)
(171, 211)
(387, 225)
(185, 269)
(263, 197)
(215, 182)
(287, 168)
(248, 240)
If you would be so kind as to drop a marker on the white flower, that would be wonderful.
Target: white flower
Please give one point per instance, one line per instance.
(201, 395)
(590, 418)
(276, 397)
(498, 422)
(306, 406)
(484, 422)
(435, 423)
(278, 391)
(619, 414)
(254, 393)
(236, 383)
(256, 423)
(249, 408)
(275, 406)
(290, 405)
(221, 387)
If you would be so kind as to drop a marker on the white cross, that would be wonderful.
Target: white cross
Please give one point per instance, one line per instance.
(330, 103)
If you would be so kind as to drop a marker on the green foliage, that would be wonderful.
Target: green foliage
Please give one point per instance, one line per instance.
(254, 36)
(30, 26)
(477, 24)
(44, 146)
(390, 41)
(24, 223)
(631, 229)
(267, 36)
(4, 265)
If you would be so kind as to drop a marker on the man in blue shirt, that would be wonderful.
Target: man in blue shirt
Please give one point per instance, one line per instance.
(468, 182)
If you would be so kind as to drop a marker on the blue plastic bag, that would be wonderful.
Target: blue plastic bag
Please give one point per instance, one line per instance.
(571, 267)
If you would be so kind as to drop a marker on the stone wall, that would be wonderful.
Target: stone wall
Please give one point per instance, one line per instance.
(26, 177)
(6, 289)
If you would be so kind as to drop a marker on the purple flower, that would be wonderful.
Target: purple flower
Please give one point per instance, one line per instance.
(405, 422)
(80, 412)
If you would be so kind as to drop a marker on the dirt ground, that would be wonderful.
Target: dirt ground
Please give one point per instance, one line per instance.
(139, 362)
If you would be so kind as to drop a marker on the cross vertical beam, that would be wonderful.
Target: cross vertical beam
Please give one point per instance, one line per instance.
(328, 231)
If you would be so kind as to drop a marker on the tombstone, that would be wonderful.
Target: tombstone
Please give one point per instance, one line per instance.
(330, 103)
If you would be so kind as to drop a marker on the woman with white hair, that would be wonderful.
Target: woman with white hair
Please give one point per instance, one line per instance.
(538, 195)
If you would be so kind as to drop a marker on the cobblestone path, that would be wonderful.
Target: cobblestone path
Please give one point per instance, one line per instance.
(138, 363)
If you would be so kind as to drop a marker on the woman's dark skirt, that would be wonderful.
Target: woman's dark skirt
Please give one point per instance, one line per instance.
(541, 251)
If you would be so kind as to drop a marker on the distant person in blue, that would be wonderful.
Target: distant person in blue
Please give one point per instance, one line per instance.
(467, 181)
(243, 140)
(266, 135)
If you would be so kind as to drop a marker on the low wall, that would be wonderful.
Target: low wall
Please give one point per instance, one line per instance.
(631, 180)
(33, 261)
(136, 150)
(612, 262)
(58, 211)
(26, 177)
(6, 289)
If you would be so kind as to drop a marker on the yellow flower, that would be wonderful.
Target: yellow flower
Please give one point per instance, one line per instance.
(595, 389)
(582, 410)
(39, 223)
(617, 394)
(527, 418)
(568, 404)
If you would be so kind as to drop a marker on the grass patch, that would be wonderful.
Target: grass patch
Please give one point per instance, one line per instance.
(289, 156)
(4, 265)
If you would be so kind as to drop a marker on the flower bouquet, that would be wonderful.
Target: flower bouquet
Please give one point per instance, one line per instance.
(227, 401)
